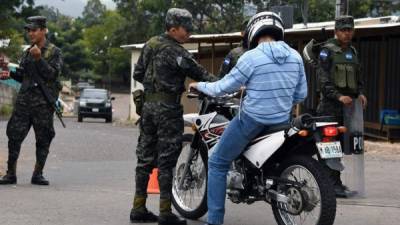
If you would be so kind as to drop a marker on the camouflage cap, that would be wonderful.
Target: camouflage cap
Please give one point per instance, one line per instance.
(343, 22)
(179, 17)
(35, 22)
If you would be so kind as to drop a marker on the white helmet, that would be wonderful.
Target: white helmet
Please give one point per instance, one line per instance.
(264, 23)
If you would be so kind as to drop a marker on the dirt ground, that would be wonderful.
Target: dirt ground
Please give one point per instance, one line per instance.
(382, 149)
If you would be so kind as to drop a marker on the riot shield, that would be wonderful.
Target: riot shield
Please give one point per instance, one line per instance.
(353, 147)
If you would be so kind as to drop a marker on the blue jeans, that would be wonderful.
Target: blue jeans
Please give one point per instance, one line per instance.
(233, 141)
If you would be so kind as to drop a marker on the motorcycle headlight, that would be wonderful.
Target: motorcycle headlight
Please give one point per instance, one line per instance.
(82, 104)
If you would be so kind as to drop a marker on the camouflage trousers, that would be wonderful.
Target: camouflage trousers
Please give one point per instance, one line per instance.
(159, 145)
(328, 107)
(23, 118)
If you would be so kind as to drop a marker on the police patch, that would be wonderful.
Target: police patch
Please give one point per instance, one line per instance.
(323, 55)
(227, 61)
(349, 56)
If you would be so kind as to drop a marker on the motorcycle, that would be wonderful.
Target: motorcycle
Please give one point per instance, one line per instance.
(279, 167)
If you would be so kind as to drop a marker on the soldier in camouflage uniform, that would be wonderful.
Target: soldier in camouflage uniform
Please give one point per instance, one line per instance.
(340, 79)
(31, 107)
(234, 55)
(162, 68)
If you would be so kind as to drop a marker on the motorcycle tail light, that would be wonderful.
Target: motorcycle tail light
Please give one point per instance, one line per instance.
(330, 131)
(328, 139)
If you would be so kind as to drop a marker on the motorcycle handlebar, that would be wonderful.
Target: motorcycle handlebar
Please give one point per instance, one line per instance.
(194, 93)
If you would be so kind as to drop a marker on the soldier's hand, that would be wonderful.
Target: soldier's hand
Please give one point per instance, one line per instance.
(363, 100)
(35, 52)
(346, 100)
(4, 75)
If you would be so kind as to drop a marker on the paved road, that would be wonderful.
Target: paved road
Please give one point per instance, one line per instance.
(91, 169)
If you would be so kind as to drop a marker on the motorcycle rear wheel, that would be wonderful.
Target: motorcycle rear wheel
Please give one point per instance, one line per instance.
(316, 200)
(191, 199)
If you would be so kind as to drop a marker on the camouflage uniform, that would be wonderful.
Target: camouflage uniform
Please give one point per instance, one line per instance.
(231, 60)
(339, 74)
(162, 69)
(234, 55)
(31, 107)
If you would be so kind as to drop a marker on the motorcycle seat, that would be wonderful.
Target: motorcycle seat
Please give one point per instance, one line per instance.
(273, 129)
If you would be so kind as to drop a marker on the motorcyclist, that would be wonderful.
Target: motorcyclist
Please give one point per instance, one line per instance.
(274, 77)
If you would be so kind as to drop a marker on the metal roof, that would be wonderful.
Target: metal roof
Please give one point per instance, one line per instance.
(298, 29)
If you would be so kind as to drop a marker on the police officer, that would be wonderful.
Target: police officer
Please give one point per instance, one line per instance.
(44, 60)
(234, 55)
(162, 69)
(340, 80)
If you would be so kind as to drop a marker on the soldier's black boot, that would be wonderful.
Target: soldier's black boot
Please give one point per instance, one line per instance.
(166, 216)
(139, 213)
(170, 219)
(37, 176)
(344, 192)
(10, 177)
(340, 191)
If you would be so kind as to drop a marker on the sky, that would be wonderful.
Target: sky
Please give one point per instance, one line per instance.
(71, 7)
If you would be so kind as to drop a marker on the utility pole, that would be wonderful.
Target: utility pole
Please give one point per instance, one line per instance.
(342, 7)
(304, 12)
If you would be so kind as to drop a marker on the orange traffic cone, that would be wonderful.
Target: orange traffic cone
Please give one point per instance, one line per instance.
(153, 187)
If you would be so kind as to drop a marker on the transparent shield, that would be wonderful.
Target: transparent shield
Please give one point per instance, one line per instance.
(353, 146)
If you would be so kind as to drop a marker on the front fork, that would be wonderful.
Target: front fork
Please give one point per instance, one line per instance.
(195, 148)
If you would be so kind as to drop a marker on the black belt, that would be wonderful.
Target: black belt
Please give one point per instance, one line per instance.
(162, 97)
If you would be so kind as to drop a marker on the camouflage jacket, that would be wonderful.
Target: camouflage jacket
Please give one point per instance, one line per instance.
(230, 60)
(328, 88)
(164, 64)
(48, 68)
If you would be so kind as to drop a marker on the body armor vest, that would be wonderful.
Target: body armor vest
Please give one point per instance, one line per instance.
(344, 69)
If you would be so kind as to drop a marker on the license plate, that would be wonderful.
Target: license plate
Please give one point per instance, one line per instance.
(329, 150)
(95, 110)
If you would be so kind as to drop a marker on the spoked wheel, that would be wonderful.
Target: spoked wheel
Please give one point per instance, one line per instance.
(189, 190)
(313, 202)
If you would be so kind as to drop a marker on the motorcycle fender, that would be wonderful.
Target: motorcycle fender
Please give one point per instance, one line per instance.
(335, 164)
(259, 152)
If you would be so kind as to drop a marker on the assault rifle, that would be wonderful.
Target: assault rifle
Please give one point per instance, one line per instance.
(51, 101)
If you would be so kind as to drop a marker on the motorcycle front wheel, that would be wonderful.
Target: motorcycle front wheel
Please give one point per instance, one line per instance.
(189, 191)
(313, 203)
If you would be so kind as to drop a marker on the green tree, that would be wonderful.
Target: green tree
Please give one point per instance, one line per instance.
(109, 60)
(146, 18)
(93, 12)
(66, 33)
(12, 14)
